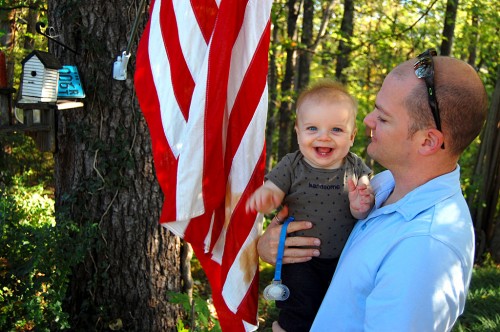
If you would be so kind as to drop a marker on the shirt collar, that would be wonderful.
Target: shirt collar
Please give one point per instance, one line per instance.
(417, 200)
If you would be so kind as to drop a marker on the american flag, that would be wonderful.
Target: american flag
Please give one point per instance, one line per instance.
(200, 78)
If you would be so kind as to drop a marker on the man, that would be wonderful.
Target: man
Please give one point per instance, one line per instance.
(407, 266)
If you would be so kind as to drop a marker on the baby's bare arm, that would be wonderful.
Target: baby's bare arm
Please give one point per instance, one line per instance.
(265, 199)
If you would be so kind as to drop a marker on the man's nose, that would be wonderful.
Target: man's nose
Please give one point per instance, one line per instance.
(368, 120)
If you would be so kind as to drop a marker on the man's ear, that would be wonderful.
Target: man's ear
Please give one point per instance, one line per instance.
(432, 141)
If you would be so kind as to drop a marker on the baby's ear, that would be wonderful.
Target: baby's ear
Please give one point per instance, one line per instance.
(353, 135)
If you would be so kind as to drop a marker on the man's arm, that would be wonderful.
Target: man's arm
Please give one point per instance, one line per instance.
(421, 286)
(267, 246)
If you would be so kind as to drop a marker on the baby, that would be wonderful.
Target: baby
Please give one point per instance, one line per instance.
(323, 183)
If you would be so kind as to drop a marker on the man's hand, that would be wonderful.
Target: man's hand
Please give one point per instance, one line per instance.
(267, 246)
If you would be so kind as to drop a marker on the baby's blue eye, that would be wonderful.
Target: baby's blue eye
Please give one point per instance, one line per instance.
(337, 130)
(312, 128)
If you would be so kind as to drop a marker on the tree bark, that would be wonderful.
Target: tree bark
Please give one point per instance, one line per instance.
(306, 40)
(449, 27)
(483, 203)
(473, 39)
(8, 26)
(346, 30)
(285, 110)
(304, 61)
(31, 19)
(105, 178)
(273, 95)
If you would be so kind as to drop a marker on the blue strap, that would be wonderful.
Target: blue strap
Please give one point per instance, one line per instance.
(281, 249)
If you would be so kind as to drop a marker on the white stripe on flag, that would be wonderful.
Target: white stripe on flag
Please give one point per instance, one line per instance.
(172, 118)
(193, 45)
(244, 163)
(190, 169)
(235, 288)
(253, 27)
(179, 145)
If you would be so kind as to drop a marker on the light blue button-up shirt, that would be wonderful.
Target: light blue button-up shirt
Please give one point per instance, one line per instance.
(407, 266)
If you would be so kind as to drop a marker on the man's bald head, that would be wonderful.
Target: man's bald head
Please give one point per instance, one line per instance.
(461, 97)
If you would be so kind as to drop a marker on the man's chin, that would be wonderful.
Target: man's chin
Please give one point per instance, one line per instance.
(370, 150)
(372, 153)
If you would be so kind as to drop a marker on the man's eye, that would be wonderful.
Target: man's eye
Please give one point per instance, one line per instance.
(379, 118)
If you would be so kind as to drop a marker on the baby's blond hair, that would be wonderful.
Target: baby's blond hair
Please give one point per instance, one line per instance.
(328, 89)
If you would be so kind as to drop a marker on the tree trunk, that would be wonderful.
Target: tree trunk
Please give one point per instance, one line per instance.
(8, 26)
(273, 95)
(304, 61)
(449, 27)
(306, 40)
(346, 30)
(105, 178)
(285, 111)
(31, 20)
(473, 33)
(483, 203)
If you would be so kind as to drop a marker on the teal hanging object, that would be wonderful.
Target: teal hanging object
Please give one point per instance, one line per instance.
(69, 84)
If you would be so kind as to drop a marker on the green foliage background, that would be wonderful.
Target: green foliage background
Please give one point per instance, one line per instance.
(36, 253)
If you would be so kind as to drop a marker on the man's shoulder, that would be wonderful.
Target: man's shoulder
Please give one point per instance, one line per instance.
(382, 180)
(452, 222)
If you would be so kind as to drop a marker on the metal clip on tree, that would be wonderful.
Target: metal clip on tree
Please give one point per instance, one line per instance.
(120, 65)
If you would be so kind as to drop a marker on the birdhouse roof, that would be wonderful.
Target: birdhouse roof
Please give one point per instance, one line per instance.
(47, 59)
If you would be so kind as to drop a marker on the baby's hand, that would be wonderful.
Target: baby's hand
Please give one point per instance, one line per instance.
(263, 200)
(361, 199)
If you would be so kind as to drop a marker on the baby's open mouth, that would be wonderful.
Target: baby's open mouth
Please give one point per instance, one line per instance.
(323, 150)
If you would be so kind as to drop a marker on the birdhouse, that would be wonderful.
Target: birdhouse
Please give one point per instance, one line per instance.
(38, 101)
(39, 81)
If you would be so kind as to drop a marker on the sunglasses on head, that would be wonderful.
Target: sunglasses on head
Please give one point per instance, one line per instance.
(424, 68)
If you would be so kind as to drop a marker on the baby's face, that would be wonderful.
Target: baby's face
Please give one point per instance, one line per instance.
(325, 132)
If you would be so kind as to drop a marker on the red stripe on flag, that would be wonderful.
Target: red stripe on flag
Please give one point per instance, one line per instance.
(247, 100)
(228, 24)
(230, 19)
(182, 81)
(234, 233)
(228, 321)
(240, 226)
(205, 12)
(164, 160)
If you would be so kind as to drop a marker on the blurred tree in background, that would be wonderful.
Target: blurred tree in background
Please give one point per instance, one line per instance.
(106, 196)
